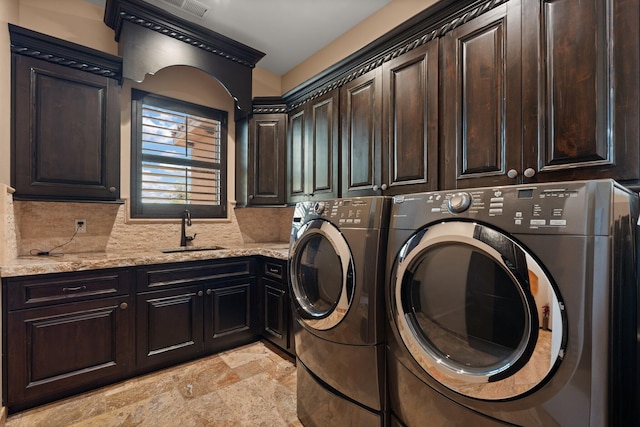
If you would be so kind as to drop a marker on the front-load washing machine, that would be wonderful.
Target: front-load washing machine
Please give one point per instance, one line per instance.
(336, 265)
(514, 305)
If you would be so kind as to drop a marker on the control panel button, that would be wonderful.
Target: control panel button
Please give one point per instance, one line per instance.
(459, 202)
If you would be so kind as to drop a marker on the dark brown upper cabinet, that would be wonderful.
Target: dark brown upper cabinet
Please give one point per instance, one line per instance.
(66, 120)
(481, 122)
(361, 137)
(266, 172)
(580, 90)
(390, 126)
(410, 121)
(312, 153)
(542, 91)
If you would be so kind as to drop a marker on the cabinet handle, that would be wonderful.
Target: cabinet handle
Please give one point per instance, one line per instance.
(124, 305)
(200, 293)
(209, 291)
(274, 270)
(384, 187)
(112, 189)
(529, 172)
(74, 289)
(375, 187)
(512, 173)
(250, 196)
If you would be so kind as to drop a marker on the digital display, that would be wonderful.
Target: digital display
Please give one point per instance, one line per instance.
(525, 194)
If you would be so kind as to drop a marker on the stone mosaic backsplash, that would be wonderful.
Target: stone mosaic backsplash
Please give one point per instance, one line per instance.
(31, 226)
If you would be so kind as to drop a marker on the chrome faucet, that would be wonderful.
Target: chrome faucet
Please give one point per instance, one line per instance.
(186, 222)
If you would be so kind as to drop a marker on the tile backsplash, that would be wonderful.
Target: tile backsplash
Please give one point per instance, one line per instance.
(42, 226)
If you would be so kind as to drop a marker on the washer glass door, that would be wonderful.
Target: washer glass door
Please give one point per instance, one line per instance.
(321, 269)
(468, 303)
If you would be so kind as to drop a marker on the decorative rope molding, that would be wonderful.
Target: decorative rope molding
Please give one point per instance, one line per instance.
(405, 47)
(176, 34)
(269, 110)
(67, 62)
(62, 52)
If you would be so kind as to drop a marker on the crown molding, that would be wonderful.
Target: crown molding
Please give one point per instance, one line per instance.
(432, 23)
(41, 46)
(156, 19)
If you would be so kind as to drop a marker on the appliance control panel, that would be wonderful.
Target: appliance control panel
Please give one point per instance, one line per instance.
(357, 212)
(549, 207)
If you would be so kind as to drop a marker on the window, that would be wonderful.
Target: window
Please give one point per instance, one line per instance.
(179, 155)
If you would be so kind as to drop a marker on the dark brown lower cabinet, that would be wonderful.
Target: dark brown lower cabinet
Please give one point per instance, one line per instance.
(276, 315)
(169, 326)
(191, 309)
(57, 349)
(65, 333)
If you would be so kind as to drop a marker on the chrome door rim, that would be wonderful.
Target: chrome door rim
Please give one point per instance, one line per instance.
(474, 383)
(341, 248)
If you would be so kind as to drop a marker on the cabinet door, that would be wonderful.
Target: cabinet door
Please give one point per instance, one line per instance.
(297, 157)
(67, 133)
(322, 140)
(481, 123)
(275, 318)
(361, 137)
(169, 326)
(266, 174)
(410, 157)
(581, 96)
(62, 349)
(228, 317)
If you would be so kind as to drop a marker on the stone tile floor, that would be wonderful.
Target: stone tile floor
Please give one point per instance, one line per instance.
(253, 385)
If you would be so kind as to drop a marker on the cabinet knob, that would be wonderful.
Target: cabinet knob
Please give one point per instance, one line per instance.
(376, 187)
(512, 173)
(529, 172)
(384, 187)
(209, 291)
(250, 196)
(112, 189)
(124, 305)
(200, 293)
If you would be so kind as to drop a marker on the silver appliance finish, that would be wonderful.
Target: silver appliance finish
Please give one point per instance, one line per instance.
(515, 305)
(336, 267)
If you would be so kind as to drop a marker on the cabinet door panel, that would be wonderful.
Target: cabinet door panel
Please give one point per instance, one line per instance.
(296, 181)
(323, 132)
(361, 110)
(584, 110)
(53, 351)
(266, 159)
(169, 325)
(228, 319)
(411, 120)
(231, 309)
(274, 312)
(482, 134)
(67, 131)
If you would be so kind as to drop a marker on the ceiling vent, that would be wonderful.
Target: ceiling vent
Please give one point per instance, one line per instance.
(192, 6)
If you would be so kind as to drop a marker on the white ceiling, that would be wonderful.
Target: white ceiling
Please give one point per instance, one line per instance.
(287, 31)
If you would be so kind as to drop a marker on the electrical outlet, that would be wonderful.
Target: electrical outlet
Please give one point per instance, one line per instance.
(81, 225)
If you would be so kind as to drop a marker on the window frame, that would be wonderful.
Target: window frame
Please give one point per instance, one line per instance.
(141, 210)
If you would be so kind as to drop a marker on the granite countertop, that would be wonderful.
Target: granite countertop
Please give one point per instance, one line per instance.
(29, 265)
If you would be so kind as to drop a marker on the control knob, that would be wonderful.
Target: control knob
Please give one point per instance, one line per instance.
(318, 208)
(459, 202)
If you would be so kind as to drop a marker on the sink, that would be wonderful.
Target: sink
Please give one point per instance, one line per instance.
(191, 249)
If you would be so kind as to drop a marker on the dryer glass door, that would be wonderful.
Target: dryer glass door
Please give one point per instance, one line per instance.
(467, 301)
(321, 268)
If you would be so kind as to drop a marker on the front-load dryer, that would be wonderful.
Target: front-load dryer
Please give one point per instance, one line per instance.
(514, 305)
(336, 265)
